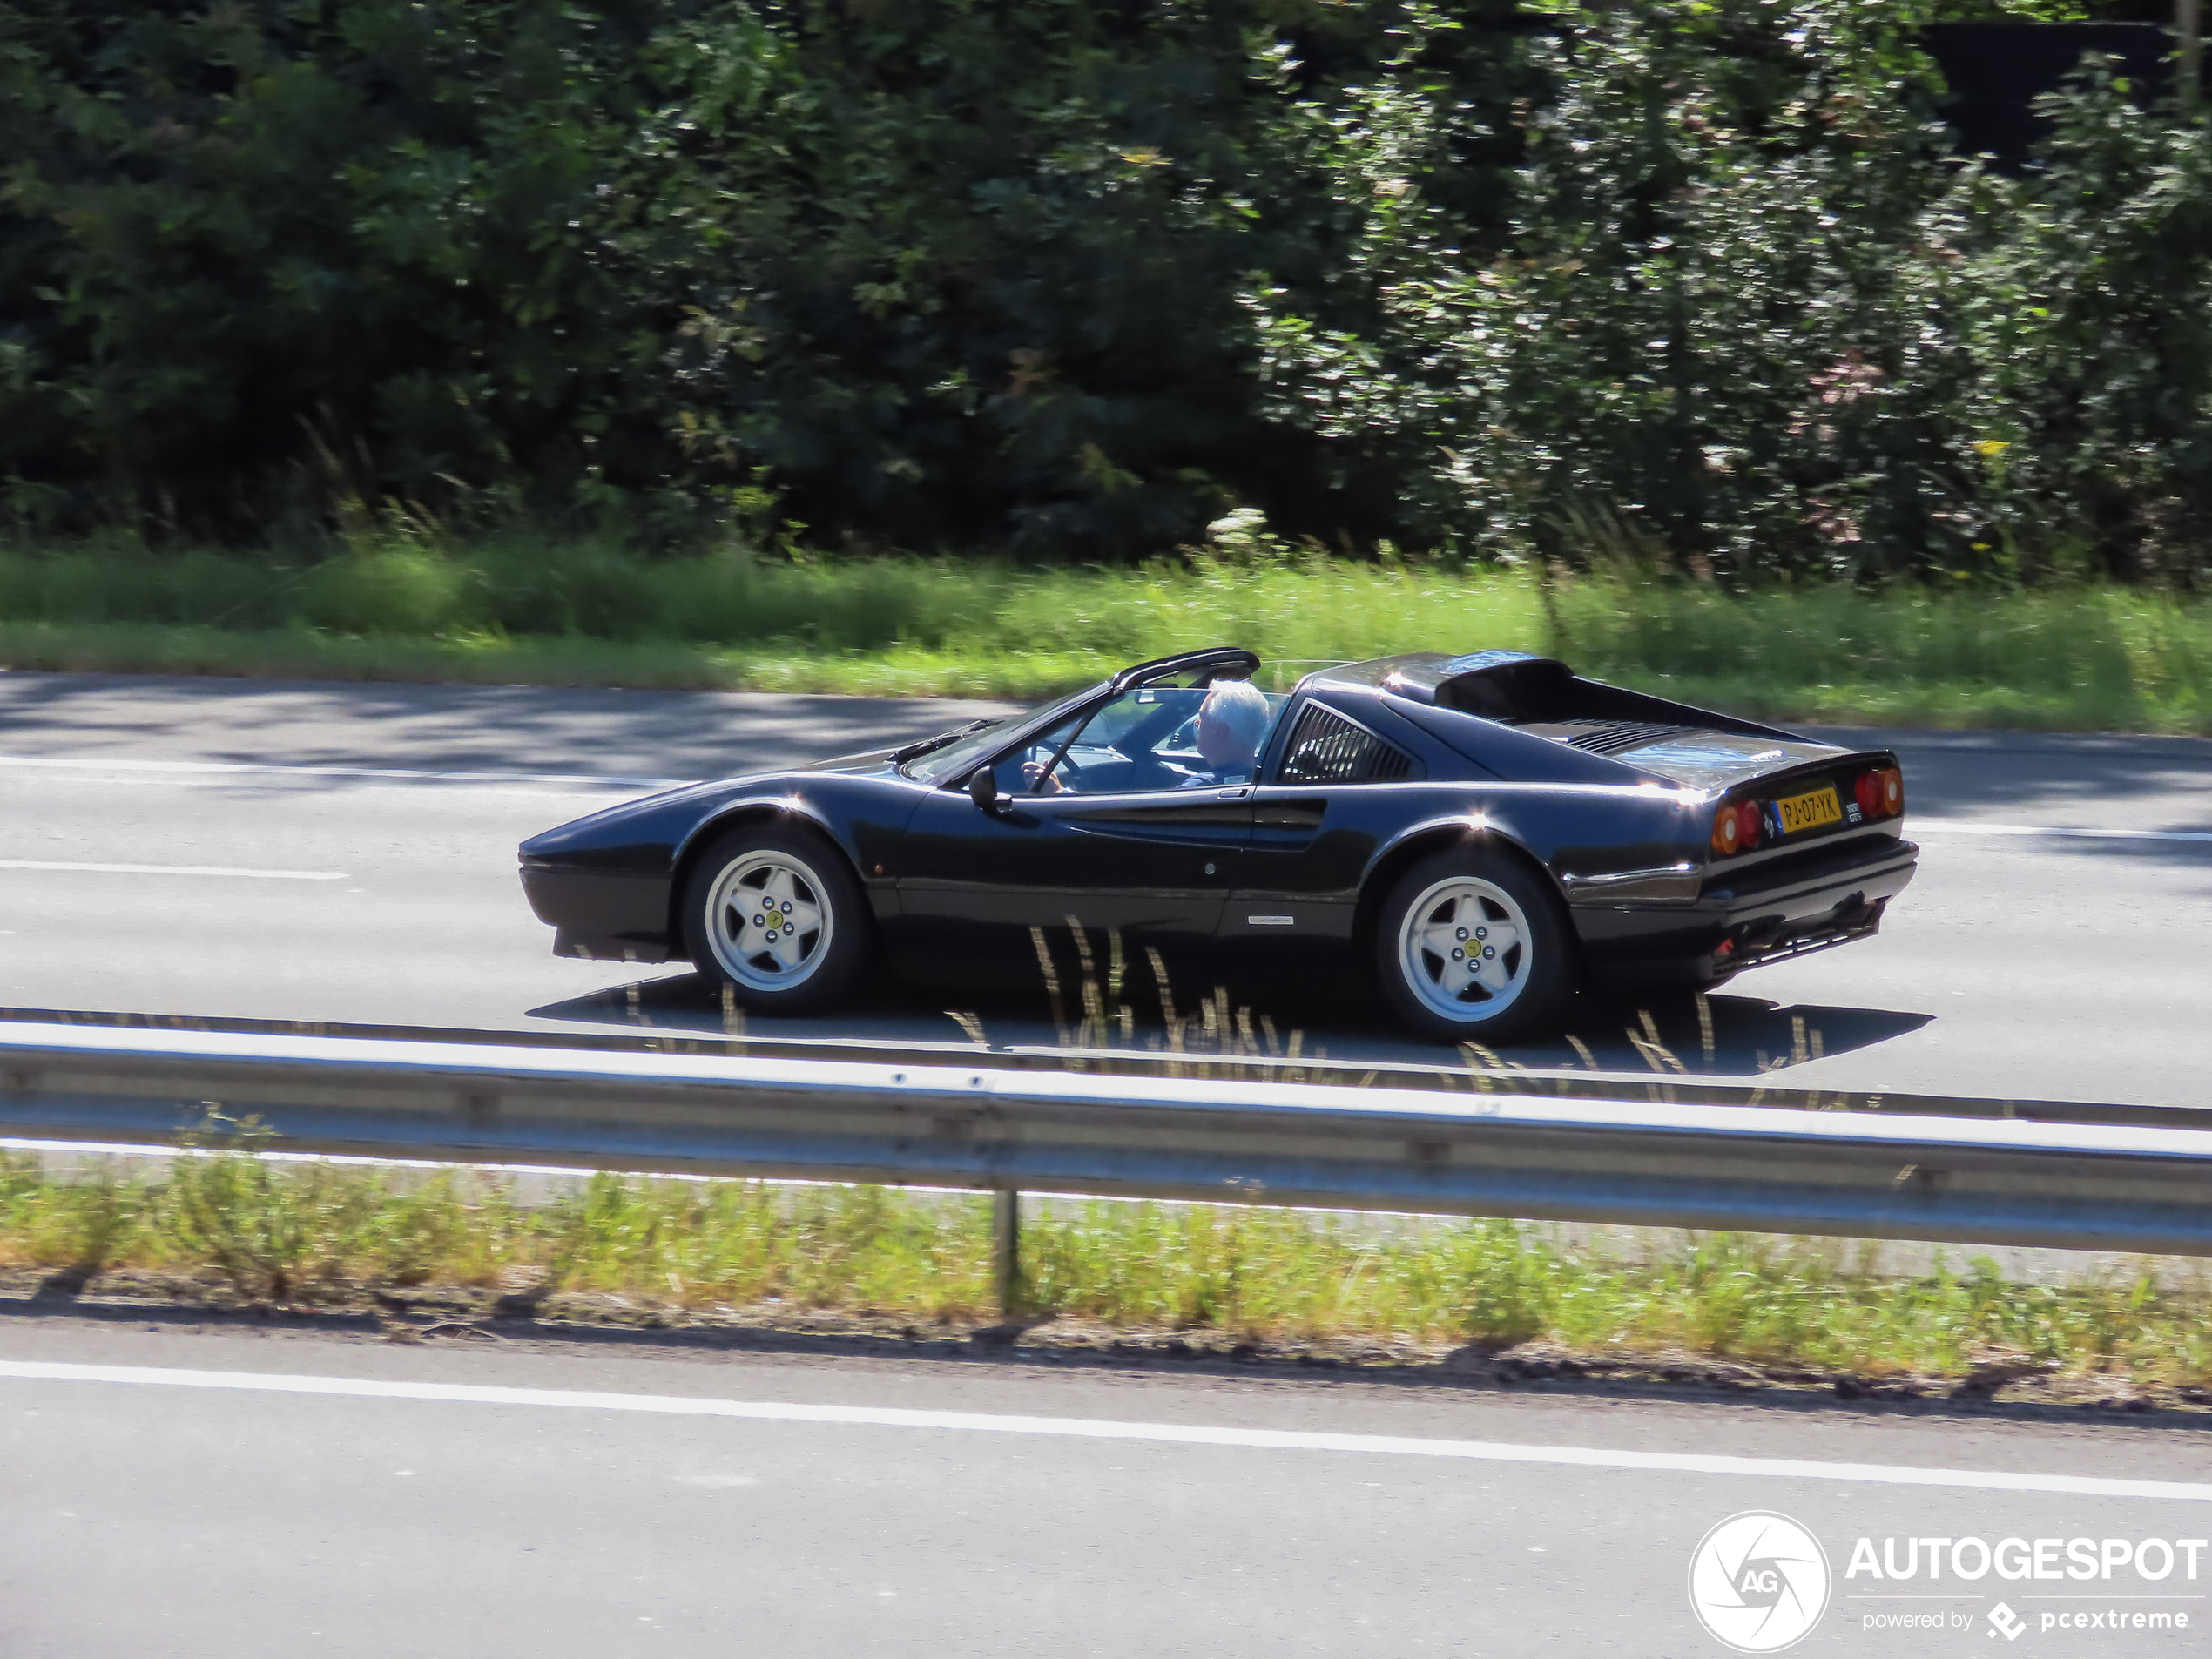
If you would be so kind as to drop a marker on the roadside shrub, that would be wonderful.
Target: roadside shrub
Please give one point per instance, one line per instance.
(395, 589)
(284, 1231)
(81, 1225)
(276, 1231)
(1510, 1289)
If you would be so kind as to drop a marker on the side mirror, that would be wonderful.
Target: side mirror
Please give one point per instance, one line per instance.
(983, 789)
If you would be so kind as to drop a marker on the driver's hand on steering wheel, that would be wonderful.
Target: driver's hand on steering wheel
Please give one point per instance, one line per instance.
(1040, 782)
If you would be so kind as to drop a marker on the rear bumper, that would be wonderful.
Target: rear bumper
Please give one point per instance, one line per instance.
(1838, 917)
(600, 916)
(1769, 912)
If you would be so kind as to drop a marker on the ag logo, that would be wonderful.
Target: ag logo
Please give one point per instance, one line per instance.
(1758, 1581)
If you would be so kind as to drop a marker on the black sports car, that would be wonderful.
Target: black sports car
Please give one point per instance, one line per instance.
(1483, 834)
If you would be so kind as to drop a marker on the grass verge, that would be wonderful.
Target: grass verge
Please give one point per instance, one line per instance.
(517, 612)
(227, 1226)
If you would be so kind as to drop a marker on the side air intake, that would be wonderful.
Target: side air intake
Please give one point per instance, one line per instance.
(1325, 748)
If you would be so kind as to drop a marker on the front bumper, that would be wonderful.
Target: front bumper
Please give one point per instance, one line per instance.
(1741, 916)
(601, 916)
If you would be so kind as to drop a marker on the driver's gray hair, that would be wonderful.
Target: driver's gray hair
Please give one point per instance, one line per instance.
(1239, 705)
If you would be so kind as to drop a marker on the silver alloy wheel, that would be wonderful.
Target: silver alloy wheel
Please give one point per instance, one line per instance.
(769, 921)
(1466, 950)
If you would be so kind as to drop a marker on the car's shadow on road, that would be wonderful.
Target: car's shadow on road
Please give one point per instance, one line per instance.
(1724, 1035)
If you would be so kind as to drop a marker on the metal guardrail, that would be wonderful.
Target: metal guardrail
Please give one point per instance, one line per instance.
(1227, 1064)
(2077, 1186)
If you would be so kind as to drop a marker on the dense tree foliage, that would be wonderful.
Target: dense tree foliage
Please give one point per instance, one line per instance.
(1752, 314)
(931, 269)
(1693, 279)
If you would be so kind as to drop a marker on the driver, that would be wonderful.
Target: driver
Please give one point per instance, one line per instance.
(1231, 722)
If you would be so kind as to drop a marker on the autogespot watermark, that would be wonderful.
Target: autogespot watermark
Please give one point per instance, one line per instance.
(2142, 1583)
(1760, 1582)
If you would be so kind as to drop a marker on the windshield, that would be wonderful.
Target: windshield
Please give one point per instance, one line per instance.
(955, 759)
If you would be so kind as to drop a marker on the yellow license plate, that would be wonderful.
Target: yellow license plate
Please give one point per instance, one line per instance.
(1809, 812)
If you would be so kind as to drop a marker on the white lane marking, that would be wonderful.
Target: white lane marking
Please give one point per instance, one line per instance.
(196, 768)
(1089, 1428)
(174, 869)
(1973, 827)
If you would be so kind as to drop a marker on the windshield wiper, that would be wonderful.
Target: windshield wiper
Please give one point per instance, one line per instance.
(915, 750)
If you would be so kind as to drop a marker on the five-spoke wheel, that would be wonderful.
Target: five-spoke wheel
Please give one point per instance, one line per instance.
(1471, 949)
(1464, 944)
(767, 921)
(774, 912)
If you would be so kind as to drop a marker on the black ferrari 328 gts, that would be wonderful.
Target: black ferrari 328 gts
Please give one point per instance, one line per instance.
(1481, 833)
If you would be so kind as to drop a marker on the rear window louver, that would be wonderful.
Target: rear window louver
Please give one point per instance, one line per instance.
(1613, 737)
(1325, 748)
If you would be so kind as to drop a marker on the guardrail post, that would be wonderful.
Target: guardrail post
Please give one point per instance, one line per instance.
(1006, 1250)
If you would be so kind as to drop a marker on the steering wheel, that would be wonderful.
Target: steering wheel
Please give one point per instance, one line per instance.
(1040, 756)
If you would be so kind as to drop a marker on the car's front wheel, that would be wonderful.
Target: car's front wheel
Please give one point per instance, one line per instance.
(775, 912)
(1472, 948)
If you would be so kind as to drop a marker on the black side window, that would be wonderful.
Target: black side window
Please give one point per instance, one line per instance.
(1325, 748)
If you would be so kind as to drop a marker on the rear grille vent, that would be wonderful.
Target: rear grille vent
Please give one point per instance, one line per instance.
(1612, 736)
(1325, 748)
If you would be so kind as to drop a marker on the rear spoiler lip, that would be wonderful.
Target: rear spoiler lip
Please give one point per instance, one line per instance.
(1842, 761)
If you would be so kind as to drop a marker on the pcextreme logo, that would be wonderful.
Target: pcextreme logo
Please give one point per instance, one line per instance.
(1758, 1581)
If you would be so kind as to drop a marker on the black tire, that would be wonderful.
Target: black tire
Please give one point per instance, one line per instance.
(825, 963)
(1457, 893)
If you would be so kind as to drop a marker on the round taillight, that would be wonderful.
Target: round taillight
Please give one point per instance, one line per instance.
(1867, 791)
(1892, 790)
(1748, 824)
(1726, 829)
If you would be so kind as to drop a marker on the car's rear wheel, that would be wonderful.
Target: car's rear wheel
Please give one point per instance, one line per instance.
(776, 914)
(1472, 948)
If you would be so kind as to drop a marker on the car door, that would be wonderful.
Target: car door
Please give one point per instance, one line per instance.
(1138, 845)
(1318, 818)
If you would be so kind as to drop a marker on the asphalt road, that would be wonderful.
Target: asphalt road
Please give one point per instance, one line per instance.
(330, 851)
(606, 1499)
